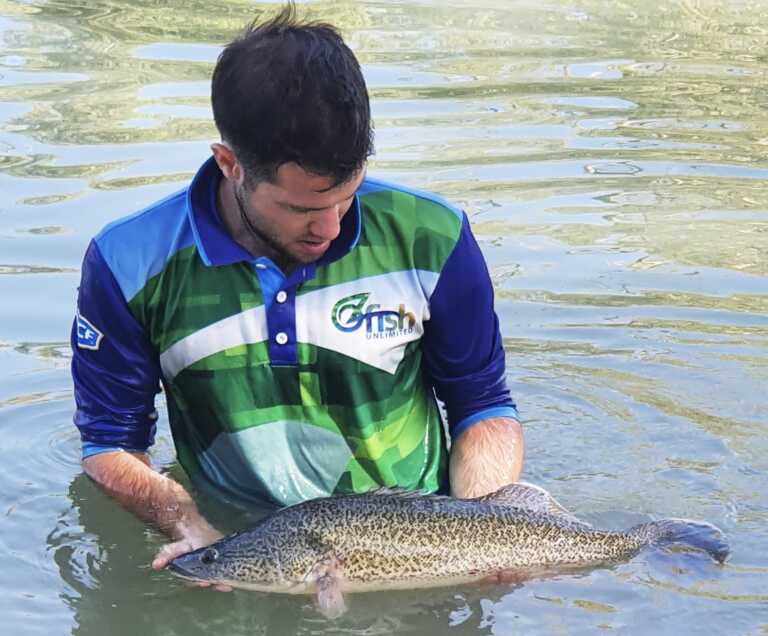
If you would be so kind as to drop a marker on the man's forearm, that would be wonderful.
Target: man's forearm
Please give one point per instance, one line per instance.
(128, 478)
(485, 457)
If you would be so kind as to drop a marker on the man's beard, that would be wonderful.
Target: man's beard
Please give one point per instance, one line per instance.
(284, 259)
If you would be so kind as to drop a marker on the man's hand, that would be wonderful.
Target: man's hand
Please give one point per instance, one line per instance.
(485, 457)
(129, 479)
(192, 542)
(199, 538)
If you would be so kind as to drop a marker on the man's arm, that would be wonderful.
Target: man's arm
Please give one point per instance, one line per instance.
(464, 358)
(129, 479)
(116, 375)
(485, 457)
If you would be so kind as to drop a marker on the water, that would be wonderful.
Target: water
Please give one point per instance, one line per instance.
(612, 157)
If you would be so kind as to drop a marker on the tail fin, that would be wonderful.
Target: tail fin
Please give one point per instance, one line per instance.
(695, 534)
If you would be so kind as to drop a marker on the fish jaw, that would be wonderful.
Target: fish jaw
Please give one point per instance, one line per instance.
(199, 565)
(323, 580)
(188, 566)
(179, 570)
(286, 588)
(193, 567)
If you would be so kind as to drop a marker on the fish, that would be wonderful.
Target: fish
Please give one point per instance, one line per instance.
(396, 539)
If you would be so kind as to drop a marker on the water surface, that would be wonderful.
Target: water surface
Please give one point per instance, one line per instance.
(612, 158)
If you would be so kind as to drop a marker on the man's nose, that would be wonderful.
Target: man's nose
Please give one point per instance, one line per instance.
(326, 224)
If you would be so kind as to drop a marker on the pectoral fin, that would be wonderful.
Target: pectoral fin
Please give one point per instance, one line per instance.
(523, 495)
(330, 600)
(326, 577)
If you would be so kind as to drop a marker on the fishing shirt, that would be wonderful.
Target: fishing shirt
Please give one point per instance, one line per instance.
(286, 388)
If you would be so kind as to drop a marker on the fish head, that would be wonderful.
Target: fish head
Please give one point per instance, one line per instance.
(233, 561)
(204, 564)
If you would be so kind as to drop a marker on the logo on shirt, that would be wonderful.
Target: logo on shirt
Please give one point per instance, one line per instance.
(351, 313)
(88, 337)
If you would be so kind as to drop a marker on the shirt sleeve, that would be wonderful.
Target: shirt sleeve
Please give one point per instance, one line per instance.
(115, 371)
(463, 353)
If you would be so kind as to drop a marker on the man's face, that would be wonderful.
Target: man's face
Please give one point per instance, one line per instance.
(296, 217)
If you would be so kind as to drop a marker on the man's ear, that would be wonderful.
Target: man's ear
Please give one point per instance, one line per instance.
(227, 162)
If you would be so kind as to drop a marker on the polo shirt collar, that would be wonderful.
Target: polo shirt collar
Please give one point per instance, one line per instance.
(214, 244)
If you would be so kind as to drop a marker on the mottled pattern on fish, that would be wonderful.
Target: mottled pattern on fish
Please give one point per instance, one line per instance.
(392, 539)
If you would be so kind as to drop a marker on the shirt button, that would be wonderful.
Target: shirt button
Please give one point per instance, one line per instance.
(281, 338)
(281, 296)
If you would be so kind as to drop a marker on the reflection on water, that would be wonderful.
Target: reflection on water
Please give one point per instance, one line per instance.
(106, 581)
(31, 269)
(612, 159)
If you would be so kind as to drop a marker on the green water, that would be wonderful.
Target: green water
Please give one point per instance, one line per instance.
(613, 159)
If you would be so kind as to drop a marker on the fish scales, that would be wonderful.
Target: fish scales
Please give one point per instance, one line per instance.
(393, 539)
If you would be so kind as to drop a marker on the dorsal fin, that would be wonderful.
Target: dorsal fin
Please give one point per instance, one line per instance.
(393, 491)
(530, 497)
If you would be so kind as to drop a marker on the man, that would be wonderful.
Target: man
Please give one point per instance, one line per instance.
(298, 314)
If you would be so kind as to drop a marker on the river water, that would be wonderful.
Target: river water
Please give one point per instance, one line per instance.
(612, 157)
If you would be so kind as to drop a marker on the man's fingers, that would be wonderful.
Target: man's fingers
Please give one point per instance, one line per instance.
(169, 552)
(219, 587)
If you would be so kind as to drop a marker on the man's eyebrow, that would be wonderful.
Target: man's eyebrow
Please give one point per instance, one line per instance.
(343, 183)
(301, 208)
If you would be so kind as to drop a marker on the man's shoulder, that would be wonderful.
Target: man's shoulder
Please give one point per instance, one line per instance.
(419, 228)
(158, 216)
(138, 246)
(410, 205)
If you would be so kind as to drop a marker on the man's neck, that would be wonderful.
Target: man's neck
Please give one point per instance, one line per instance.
(229, 212)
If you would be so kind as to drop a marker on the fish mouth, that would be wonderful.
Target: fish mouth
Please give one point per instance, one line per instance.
(183, 572)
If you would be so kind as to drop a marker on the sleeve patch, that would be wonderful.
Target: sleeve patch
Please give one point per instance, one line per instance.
(88, 337)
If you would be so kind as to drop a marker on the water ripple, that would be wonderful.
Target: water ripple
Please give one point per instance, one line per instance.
(612, 161)
(34, 269)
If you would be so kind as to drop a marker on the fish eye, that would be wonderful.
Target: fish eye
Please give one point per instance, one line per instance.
(209, 556)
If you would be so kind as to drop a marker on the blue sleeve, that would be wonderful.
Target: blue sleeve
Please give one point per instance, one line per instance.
(463, 353)
(115, 371)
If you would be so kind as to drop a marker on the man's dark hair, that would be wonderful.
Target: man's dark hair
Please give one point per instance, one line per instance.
(290, 91)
